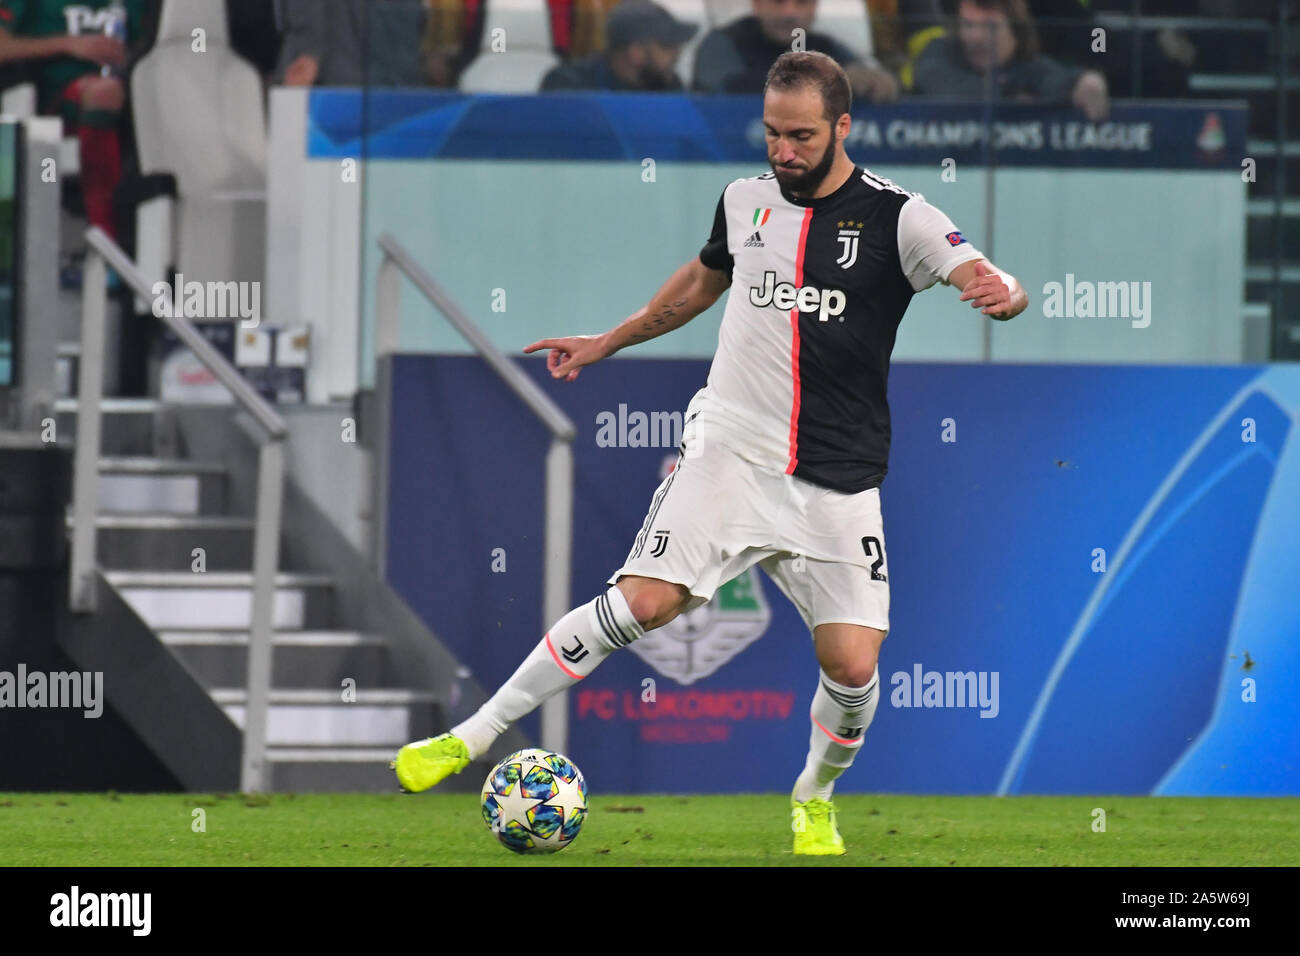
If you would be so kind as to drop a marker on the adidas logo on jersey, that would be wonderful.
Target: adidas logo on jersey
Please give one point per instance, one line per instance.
(825, 302)
(754, 242)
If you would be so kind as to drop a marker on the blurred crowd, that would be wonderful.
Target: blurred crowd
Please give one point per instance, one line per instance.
(1029, 50)
(76, 54)
(76, 59)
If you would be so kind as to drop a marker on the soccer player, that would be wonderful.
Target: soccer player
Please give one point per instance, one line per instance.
(786, 446)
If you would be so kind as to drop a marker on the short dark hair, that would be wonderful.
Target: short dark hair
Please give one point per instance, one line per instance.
(1018, 18)
(794, 70)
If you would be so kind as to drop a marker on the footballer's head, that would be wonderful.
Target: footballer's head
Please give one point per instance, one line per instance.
(806, 118)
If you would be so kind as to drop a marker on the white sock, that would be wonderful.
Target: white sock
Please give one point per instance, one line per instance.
(840, 718)
(569, 652)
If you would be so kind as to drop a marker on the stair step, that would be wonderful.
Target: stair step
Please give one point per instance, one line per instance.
(380, 755)
(386, 717)
(358, 769)
(353, 770)
(143, 520)
(179, 494)
(131, 427)
(153, 541)
(213, 579)
(115, 406)
(329, 697)
(223, 600)
(144, 465)
(235, 638)
(300, 659)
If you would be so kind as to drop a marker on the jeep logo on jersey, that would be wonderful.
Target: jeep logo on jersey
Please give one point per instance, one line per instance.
(825, 302)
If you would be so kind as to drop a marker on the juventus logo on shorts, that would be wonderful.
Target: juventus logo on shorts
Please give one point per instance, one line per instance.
(661, 544)
(575, 653)
(850, 733)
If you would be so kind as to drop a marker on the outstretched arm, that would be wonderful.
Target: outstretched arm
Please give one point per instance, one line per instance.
(96, 47)
(995, 293)
(688, 292)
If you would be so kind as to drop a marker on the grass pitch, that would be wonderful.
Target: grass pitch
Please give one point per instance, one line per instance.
(46, 829)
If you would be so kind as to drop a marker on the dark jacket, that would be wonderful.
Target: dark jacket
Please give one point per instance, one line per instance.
(736, 58)
(942, 70)
(593, 73)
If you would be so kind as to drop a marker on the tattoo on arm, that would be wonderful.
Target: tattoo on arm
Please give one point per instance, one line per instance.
(654, 324)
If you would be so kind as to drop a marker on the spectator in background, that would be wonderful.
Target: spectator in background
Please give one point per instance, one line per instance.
(735, 58)
(642, 43)
(1065, 30)
(255, 32)
(325, 43)
(79, 52)
(997, 37)
(578, 26)
(452, 37)
(900, 29)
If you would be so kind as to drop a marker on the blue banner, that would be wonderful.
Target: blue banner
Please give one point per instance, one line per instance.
(419, 124)
(1093, 574)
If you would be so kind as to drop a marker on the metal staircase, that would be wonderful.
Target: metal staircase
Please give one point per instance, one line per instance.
(248, 643)
(337, 707)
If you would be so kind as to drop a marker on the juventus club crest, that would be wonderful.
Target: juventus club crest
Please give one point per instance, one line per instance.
(661, 544)
(849, 233)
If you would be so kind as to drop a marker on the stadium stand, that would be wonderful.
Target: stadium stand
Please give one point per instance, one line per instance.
(527, 55)
(846, 20)
(201, 119)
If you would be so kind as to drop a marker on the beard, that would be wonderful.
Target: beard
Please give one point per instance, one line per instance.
(653, 79)
(805, 182)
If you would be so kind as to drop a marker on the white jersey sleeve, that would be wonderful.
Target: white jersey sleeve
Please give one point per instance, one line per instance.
(929, 245)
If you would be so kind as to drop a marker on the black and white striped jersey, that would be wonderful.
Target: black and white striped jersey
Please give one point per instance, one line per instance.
(818, 287)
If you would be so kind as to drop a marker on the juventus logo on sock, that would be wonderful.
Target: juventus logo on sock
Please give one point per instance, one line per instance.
(575, 653)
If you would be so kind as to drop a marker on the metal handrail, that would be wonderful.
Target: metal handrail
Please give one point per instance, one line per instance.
(194, 340)
(104, 252)
(558, 536)
(523, 386)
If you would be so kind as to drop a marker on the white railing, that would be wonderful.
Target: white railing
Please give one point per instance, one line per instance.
(558, 539)
(104, 252)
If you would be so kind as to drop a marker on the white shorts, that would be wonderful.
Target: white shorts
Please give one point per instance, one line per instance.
(716, 515)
